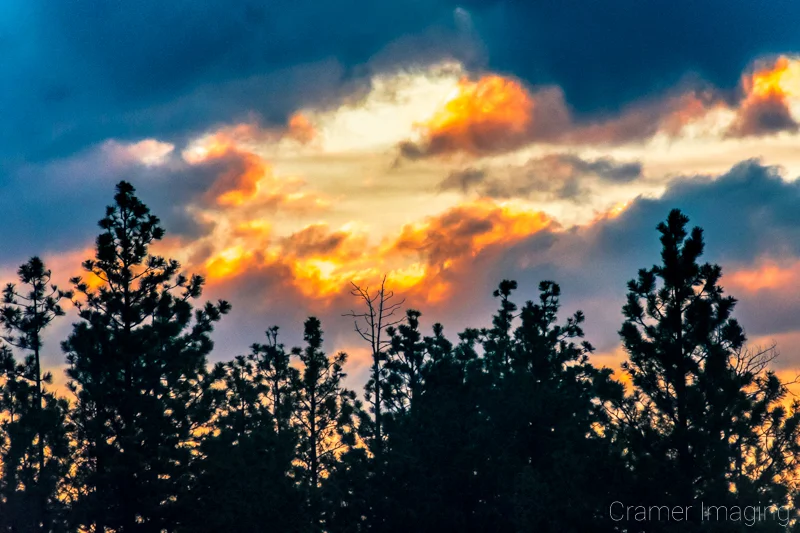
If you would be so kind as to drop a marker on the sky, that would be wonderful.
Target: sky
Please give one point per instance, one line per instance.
(291, 148)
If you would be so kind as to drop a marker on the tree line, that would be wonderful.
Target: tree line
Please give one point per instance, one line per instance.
(506, 428)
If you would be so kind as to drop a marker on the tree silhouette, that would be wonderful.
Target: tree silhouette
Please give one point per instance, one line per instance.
(550, 458)
(138, 365)
(37, 455)
(326, 416)
(244, 471)
(702, 423)
(373, 324)
(508, 427)
(405, 362)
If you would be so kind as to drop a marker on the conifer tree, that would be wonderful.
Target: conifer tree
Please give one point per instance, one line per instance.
(36, 455)
(552, 470)
(406, 358)
(326, 417)
(137, 361)
(244, 475)
(699, 426)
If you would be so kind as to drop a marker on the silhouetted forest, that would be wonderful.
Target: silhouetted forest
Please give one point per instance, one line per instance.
(508, 428)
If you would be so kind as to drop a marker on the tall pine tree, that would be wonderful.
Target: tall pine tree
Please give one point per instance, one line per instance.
(326, 416)
(137, 360)
(699, 426)
(36, 456)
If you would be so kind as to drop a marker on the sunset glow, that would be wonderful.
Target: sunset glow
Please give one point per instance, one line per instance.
(781, 79)
(479, 108)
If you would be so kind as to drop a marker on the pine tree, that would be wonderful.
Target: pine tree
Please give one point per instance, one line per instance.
(326, 416)
(406, 359)
(138, 368)
(37, 452)
(244, 475)
(699, 426)
(551, 467)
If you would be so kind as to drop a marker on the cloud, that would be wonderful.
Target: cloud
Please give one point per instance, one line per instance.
(496, 114)
(76, 75)
(464, 180)
(487, 115)
(750, 224)
(605, 55)
(751, 228)
(217, 179)
(318, 240)
(148, 152)
(551, 176)
(766, 109)
(316, 264)
(80, 74)
(490, 114)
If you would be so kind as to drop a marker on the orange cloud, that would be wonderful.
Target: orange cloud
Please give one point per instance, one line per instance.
(319, 262)
(469, 228)
(449, 242)
(229, 262)
(765, 108)
(301, 129)
(781, 78)
(496, 114)
(240, 171)
(768, 276)
(315, 261)
(491, 114)
(479, 110)
(243, 177)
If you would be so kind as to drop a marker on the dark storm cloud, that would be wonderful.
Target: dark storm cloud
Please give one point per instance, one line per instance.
(605, 54)
(764, 117)
(74, 73)
(77, 72)
(54, 207)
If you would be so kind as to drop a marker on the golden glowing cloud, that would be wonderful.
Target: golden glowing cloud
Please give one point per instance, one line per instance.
(769, 91)
(782, 78)
(379, 219)
(320, 262)
(245, 177)
(481, 108)
(449, 241)
(469, 228)
(489, 115)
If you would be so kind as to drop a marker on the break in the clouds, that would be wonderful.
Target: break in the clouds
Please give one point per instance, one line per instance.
(290, 149)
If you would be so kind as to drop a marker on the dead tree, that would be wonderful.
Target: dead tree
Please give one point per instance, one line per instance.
(371, 324)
